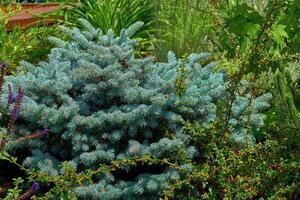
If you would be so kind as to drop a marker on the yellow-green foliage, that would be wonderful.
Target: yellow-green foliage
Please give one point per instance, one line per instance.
(31, 44)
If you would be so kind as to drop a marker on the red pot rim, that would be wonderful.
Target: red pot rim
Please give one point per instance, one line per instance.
(25, 16)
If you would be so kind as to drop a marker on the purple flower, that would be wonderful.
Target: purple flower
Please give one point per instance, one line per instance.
(16, 110)
(15, 113)
(3, 65)
(20, 95)
(45, 131)
(10, 98)
(35, 186)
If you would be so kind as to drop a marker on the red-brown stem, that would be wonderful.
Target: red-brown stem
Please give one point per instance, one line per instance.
(26, 195)
(31, 136)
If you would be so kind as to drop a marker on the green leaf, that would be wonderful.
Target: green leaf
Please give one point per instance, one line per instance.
(251, 29)
(4, 155)
(279, 34)
(297, 3)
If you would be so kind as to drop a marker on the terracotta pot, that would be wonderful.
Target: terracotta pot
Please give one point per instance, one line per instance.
(27, 15)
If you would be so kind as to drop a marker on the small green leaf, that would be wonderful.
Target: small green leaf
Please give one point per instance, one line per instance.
(251, 29)
(279, 34)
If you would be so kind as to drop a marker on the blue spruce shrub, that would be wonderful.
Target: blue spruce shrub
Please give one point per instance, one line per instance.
(101, 104)
(245, 118)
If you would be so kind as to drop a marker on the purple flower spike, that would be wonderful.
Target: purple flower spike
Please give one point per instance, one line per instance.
(35, 186)
(45, 131)
(20, 94)
(15, 113)
(10, 98)
(16, 110)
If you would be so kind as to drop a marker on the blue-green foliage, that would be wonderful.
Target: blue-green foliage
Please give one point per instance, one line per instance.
(246, 118)
(101, 104)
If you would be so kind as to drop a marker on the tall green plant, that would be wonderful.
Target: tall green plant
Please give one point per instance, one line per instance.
(116, 15)
(182, 26)
(258, 5)
(258, 42)
(287, 93)
(273, 31)
(284, 119)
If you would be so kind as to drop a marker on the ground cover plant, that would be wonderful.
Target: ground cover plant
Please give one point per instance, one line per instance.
(103, 119)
